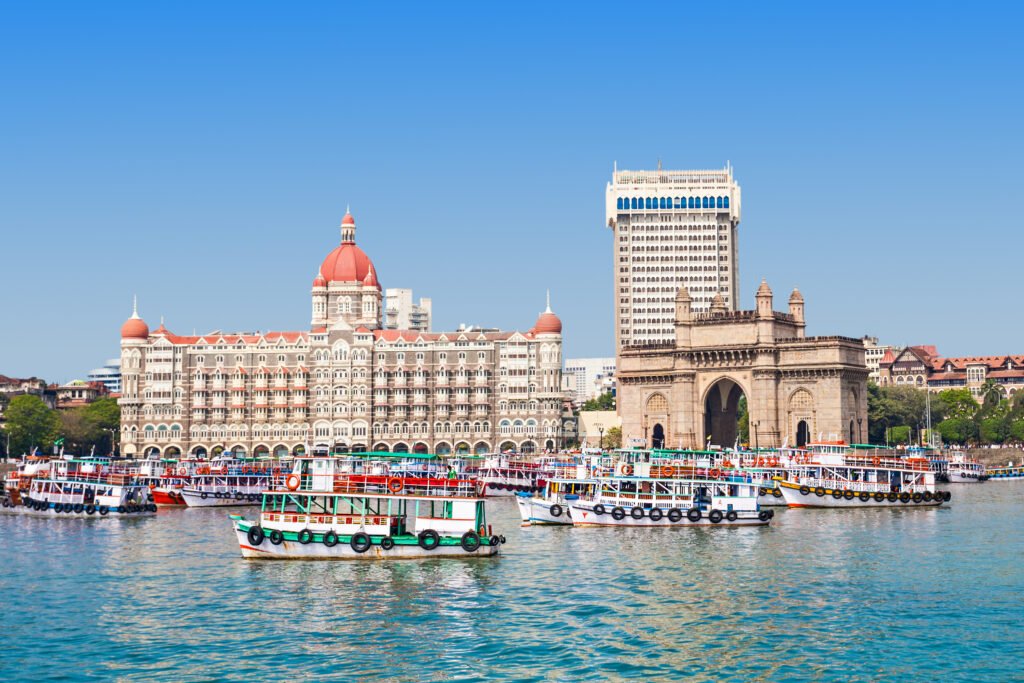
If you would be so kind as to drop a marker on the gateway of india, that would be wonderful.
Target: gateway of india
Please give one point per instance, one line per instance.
(345, 384)
(683, 365)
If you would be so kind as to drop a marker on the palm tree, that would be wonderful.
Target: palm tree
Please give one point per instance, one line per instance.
(991, 393)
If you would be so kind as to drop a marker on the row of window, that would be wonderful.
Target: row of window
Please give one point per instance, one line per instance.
(627, 203)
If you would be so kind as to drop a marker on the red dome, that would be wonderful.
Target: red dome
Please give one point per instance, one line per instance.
(347, 263)
(348, 219)
(319, 281)
(548, 323)
(135, 328)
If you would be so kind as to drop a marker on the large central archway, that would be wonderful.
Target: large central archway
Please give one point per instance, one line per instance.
(722, 413)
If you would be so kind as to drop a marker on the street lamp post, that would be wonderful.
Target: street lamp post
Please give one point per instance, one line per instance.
(600, 437)
(860, 434)
(754, 423)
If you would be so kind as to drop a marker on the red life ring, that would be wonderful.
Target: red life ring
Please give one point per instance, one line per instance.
(182, 472)
(293, 482)
(627, 470)
(395, 485)
(715, 474)
(773, 462)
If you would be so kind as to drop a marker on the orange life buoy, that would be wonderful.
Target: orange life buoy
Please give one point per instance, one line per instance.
(169, 471)
(727, 464)
(773, 462)
(293, 482)
(182, 472)
(246, 469)
(875, 460)
(715, 474)
(668, 471)
(395, 485)
(277, 470)
(627, 470)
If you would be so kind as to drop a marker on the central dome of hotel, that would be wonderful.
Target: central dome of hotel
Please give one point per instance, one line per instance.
(347, 263)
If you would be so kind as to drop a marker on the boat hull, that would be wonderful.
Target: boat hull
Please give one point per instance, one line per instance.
(316, 550)
(583, 515)
(963, 478)
(538, 511)
(51, 513)
(168, 497)
(194, 499)
(795, 499)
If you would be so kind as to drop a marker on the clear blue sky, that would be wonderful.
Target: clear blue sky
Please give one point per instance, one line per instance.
(202, 155)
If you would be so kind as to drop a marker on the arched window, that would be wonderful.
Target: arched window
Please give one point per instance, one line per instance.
(725, 202)
(691, 203)
(718, 203)
(618, 204)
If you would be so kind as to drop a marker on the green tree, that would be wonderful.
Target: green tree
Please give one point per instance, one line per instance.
(105, 414)
(958, 403)
(958, 430)
(743, 420)
(994, 429)
(991, 394)
(1017, 429)
(612, 438)
(79, 430)
(605, 401)
(899, 434)
(30, 424)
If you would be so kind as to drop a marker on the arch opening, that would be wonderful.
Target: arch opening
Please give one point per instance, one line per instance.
(724, 406)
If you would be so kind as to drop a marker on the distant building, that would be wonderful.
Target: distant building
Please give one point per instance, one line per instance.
(587, 378)
(109, 375)
(594, 424)
(343, 384)
(873, 354)
(79, 393)
(13, 386)
(670, 229)
(922, 366)
(400, 313)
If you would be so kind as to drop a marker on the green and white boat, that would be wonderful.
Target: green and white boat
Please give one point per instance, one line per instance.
(323, 512)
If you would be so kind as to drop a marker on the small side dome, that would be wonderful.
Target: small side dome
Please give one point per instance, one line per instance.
(548, 323)
(135, 327)
(764, 289)
(371, 278)
(319, 280)
(348, 219)
(796, 296)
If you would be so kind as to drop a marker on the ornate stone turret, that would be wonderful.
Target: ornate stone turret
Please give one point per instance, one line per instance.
(764, 300)
(796, 309)
(684, 316)
(718, 304)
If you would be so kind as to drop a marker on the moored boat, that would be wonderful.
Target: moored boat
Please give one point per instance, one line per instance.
(322, 512)
(834, 476)
(80, 488)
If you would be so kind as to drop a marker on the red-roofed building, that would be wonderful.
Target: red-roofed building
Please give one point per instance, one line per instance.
(345, 384)
(922, 366)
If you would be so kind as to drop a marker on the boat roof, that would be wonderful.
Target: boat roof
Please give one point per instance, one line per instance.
(289, 492)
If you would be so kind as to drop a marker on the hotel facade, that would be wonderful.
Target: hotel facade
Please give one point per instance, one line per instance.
(345, 384)
(671, 229)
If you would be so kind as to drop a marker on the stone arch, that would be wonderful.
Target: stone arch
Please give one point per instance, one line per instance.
(172, 452)
(800, 408)
(381, 447)
(655, 419)
(420, 448)
(261, 450)
(280, 450)
(481, 447)
(199, 451)
(507, 446)
(401, 447)
(444, 448)
(720, 406)
(528, 446)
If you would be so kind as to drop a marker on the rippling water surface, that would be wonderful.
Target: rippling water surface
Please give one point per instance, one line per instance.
(857, 595)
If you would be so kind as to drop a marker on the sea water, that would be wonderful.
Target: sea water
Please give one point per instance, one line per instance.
(862, 595)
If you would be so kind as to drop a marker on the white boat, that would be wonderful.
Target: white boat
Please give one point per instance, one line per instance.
(506, 475)
(834, 476)
(964, 470)
(79, 488)
(323, 513)
(658, 489)
(551, 505)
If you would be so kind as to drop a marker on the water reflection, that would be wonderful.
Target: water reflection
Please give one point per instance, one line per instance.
(854, 595)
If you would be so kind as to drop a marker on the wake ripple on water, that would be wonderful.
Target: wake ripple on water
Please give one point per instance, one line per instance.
(858, 595)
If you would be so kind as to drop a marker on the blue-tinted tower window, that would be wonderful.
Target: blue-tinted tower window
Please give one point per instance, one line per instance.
(726, 202)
